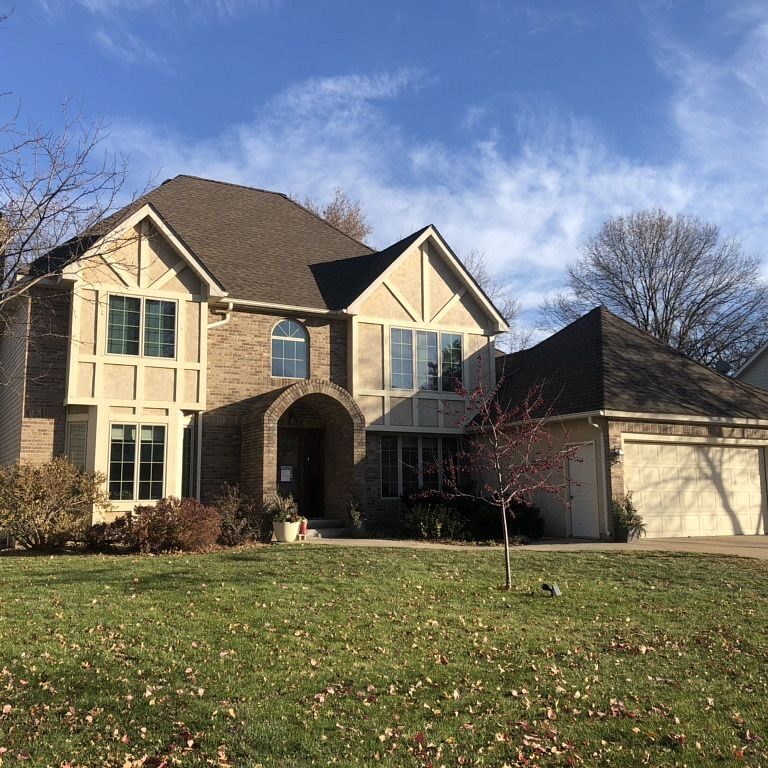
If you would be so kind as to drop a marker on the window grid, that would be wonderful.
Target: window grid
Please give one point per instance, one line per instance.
(401, 344)
(151, 462)
(122, 461)
(452, 361)
(159, 328)
(389, 467)
(409, 459)
(289, 351)
(77, 432)
(409, 463)
(123, 464)
(123, 325)
(426, 360)
(138, 326)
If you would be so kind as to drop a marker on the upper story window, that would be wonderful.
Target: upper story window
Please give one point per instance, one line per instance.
(437, 365)
(290, 350)
(139, 326)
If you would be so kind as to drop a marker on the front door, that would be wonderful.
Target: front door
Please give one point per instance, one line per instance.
(300, 469)
(582, 476)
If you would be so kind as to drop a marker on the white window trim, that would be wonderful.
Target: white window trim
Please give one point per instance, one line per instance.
(414, 360)
(137, 461)
(143, 300)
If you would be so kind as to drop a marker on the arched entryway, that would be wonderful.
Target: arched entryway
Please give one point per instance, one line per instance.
(309, 440)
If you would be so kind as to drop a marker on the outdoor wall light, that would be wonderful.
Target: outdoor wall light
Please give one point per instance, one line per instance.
(615, 454)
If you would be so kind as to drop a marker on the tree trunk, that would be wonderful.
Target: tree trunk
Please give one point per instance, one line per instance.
(507, 565)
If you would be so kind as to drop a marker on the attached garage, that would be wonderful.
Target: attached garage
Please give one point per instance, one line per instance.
(688, 443)
(695, 489)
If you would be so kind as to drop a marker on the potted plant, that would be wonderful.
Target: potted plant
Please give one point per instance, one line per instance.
(628, 523)
(285, 517)
(356, 517)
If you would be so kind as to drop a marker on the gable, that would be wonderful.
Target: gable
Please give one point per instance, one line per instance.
(142, 254)
(427, 285)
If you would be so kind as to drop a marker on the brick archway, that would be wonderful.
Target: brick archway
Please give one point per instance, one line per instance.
(313, 403)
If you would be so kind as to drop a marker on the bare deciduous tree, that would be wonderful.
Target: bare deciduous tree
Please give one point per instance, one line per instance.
(510, 449)
(518, 337)
(674, 277)
(344, 213)
(53, 186)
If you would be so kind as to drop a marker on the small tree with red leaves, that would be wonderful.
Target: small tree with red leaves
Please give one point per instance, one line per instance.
(509, 449)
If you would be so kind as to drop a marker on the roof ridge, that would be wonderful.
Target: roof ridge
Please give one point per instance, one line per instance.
(223, 183)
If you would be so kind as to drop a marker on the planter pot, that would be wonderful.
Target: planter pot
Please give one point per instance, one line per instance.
(286, 532)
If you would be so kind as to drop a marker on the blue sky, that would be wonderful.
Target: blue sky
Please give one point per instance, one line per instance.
(515, 127)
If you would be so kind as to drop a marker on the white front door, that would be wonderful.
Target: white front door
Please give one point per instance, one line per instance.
(582, 486)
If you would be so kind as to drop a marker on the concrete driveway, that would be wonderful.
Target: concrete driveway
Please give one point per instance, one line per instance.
(737, 546)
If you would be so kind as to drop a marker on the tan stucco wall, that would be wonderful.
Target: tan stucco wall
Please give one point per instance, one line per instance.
(421, 292)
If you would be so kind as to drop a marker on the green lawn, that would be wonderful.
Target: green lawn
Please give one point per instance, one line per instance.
(316, 655)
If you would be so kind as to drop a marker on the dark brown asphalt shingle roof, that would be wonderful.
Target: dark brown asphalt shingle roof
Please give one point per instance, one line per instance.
(601, 362)
(258, 245)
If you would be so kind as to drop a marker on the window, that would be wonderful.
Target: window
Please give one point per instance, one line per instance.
(159, 328)
(409, 458)
(401, 342)
(77, 432)
(124, 327)
(426, 359)
(452, 361)
(389, 467)
(409, 463)
(189, 460)
(124, 322)
(289, 350)
(437, 368)
(126, 474)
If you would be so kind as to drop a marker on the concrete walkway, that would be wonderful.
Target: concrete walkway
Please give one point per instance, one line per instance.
(737, 546)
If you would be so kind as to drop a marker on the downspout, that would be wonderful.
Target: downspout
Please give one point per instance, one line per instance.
(225, 314)
(604, 472)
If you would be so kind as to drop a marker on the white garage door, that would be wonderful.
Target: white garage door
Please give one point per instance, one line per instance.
(695, 490)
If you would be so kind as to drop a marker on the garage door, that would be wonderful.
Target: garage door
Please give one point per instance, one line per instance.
(695, 490)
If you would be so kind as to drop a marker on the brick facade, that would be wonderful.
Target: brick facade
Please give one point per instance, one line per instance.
(240, 374)
(44, 416)
(307, 404)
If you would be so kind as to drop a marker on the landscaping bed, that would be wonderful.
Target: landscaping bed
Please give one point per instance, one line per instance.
(292, 656)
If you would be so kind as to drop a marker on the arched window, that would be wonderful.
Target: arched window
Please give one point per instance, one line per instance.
(290, 350)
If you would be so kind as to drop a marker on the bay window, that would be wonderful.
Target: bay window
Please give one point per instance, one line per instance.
(136, 462)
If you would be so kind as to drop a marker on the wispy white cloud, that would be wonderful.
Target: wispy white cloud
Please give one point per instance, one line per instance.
(527, 200)
(223, 9)
(128, 48)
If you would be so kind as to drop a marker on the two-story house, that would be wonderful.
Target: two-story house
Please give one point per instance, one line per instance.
(211, 332)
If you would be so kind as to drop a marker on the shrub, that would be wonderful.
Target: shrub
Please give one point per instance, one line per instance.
(356, 515)
(481, 520)
(117, 534)
(433, 521)
(241, 518)
(176, 524)
(46, 505)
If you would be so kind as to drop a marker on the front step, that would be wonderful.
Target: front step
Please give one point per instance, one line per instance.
(328, 528)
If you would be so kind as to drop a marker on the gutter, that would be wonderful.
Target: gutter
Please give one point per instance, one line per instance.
(225, 314)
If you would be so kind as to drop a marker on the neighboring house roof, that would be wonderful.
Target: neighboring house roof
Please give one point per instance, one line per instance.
(603, 363)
